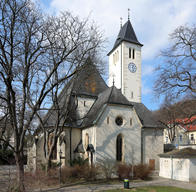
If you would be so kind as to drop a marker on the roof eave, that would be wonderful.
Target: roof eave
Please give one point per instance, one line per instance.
(121, 42)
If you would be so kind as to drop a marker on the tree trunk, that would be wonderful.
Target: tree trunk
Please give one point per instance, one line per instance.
(20, 171)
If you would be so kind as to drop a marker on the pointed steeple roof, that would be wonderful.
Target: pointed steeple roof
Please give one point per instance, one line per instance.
(126, 34)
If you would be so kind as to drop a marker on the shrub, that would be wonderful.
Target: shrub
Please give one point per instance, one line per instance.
(7, 157)
(54, 165)
(108, 167)
(142, 171)
(79, 161)
(123, 171)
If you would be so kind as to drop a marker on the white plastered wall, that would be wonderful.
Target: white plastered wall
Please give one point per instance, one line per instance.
(192, 171)
(106, 134)
(152, 145)
(119, 72)
(131, 81)
(84, 104)
(91, 131)
(175, 168)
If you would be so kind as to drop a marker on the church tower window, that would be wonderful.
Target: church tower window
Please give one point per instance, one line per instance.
(130, 52)
(133, 53)
(119, 147)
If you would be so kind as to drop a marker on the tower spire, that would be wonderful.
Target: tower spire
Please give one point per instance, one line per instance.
(128, 13)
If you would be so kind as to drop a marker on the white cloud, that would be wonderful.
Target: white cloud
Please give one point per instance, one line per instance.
(145, 89)
(152, 20)
(147, 69)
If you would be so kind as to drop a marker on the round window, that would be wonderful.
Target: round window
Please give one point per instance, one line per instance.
(119, 121)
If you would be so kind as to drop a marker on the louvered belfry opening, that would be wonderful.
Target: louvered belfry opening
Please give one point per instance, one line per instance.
(119, 144)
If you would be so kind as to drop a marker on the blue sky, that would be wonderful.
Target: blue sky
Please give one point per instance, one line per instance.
(152, 20)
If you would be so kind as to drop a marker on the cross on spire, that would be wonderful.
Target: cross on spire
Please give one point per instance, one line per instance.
(121, 22)
(128, 13)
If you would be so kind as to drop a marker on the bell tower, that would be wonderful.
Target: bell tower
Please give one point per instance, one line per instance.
(125, 63)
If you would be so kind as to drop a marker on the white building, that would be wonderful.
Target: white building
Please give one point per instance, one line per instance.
(105, 122)
(179, 164)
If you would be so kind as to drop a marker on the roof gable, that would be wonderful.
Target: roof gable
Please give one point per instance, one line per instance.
(88, 82)
(111, 95)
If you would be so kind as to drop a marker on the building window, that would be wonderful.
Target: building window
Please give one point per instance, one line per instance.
(119, 121)
(84, 103)
(133, 53)
(130, 121)
(129, 52)
(180, 138)
(108, 120)
(192, 137)
(166, 139)
(117, 55)
(119, 147)
(86, 144)
(131, 95)
(113, 59)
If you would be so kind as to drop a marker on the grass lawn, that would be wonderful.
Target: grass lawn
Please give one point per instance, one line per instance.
(152, 189)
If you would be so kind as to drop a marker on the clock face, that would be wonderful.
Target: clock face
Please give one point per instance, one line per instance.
(132, 67)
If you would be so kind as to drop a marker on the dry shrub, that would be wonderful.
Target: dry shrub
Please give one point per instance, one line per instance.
(77, 171)
(66, 173)
(39, 179)
(123, 171)
(108, 167)
(142, 171)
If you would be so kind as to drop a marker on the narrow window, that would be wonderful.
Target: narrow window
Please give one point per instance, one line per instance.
(86, 144)
(113, 59)
(166, 139)
(192, 137)
(130, 121)
(131, 95)
(84, 103)
(180, 138)
(117, 55)
(119, 145)
(108, 120)
(129, 52)
(133, 53)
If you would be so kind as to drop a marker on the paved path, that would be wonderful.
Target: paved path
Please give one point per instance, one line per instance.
(156, 181)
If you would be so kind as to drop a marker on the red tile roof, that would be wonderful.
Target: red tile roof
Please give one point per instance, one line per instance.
(188, 124)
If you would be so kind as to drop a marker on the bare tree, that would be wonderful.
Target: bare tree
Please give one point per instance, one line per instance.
(36, 50)
(176, 76)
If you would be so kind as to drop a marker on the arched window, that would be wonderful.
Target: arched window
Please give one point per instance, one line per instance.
(133, 53)
(130, 52)
(86, 143)
(117, 55)
(119, 147)
(113, 59)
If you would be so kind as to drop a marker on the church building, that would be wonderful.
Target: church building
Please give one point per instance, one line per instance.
(107, 122)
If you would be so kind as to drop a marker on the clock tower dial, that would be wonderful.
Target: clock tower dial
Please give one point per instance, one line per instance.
(132, 67)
